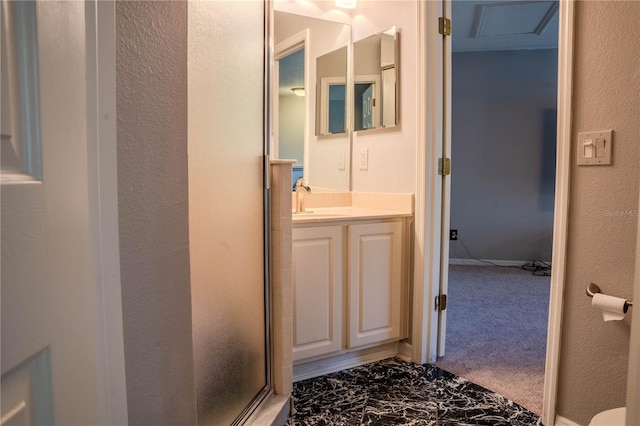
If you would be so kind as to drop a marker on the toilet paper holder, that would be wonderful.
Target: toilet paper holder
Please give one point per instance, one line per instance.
(593, 289)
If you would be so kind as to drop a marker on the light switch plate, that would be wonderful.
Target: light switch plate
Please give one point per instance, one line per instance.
(595, 148)
(364, 159)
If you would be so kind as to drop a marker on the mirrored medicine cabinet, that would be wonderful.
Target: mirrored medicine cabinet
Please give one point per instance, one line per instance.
(375, 94)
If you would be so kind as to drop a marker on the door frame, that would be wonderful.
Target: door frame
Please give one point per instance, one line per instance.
(566, 13)
(447, 102)
(102, 182)
(633, 379)
(431, 206)
(428, 197)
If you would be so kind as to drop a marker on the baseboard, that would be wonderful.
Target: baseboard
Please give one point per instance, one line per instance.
(405, 351)
(562, 421)
(274, 412)
(344, 361)
(485, 262)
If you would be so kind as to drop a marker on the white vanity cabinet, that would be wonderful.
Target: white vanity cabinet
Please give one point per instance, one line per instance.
(317, 291)
(348, 287)
(375, 275)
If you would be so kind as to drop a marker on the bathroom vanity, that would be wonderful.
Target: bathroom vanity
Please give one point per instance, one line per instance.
(350, 251)
(350, 270)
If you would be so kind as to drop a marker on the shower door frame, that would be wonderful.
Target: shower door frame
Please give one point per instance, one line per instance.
(261, 400)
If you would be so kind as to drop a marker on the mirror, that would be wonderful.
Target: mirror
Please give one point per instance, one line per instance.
(292, 107)
(331, 83)
(322, 151)
(375, 85)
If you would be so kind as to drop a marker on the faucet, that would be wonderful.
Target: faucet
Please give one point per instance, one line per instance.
(301, 195)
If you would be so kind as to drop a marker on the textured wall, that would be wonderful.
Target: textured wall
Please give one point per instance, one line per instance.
(503, 146)
(151, 77)
(603, 210)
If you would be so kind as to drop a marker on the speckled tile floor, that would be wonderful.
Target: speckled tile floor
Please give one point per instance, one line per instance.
(394, 392)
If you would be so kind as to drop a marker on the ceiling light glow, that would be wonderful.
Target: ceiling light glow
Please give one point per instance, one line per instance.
(346, 4)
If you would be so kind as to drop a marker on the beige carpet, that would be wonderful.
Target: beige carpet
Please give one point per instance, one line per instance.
(497, 330)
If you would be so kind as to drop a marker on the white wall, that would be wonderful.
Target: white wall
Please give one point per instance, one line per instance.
(503, 144)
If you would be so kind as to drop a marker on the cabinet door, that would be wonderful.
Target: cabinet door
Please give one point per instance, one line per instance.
(375, 275)
(317, 291)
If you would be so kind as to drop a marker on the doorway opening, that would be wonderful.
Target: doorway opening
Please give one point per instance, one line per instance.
(503, 143)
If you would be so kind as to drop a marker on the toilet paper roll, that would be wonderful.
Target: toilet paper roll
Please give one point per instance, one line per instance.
(612, 307)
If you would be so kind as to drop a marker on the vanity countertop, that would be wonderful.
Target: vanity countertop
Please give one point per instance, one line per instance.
(344, 214)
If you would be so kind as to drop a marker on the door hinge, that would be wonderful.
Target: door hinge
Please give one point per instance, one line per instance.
(444, 166)
(267, 171)
(441, 302)
(444, 26)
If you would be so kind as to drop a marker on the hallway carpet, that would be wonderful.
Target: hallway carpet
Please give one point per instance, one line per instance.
(497, 330)
(394, 392)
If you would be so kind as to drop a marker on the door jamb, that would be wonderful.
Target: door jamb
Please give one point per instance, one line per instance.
(633, 375)
(561, 210)
(443, 283)
(102, 180)
(428, 196)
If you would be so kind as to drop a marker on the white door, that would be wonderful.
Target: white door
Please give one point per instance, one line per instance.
(50, 290)
(446, 183)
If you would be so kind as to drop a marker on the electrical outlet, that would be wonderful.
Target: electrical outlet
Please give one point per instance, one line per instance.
(453, 234)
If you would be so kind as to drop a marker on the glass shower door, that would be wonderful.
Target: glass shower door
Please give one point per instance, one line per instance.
(226, 206)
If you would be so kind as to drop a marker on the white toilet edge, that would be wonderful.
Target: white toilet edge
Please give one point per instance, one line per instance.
(614, 417)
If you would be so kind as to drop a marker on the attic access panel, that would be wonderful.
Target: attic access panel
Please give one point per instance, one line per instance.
(508, 19)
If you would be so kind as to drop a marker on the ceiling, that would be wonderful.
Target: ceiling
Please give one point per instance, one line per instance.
(504, 25)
